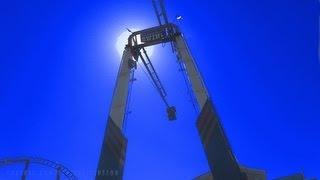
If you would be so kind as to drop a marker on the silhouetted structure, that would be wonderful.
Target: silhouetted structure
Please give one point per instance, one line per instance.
(222, 162)
(60, 169)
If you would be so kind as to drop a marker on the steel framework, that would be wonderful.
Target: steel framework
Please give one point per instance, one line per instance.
(221, 160)
(60, 169)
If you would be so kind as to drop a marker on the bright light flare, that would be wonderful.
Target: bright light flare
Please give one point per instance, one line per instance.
(179, 17)
(122, 41)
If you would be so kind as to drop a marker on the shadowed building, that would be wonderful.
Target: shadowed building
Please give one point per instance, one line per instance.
(251, 174)
(299, 176)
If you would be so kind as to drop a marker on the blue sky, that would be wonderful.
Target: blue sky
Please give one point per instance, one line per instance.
(258, 58)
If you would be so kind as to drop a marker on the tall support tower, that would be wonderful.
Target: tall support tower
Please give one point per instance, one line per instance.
(223, 165)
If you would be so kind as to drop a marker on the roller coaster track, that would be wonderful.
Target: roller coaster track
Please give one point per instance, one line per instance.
(37, 160)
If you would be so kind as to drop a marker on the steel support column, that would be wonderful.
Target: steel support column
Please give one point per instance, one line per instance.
(112, 155)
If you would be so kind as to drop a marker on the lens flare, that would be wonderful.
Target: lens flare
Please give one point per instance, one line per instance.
(123, 40)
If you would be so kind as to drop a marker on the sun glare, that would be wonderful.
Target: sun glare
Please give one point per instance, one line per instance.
(123, 40)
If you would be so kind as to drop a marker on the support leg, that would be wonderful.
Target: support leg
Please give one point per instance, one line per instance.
(25, 170)
(112, 157)
(220, 158)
